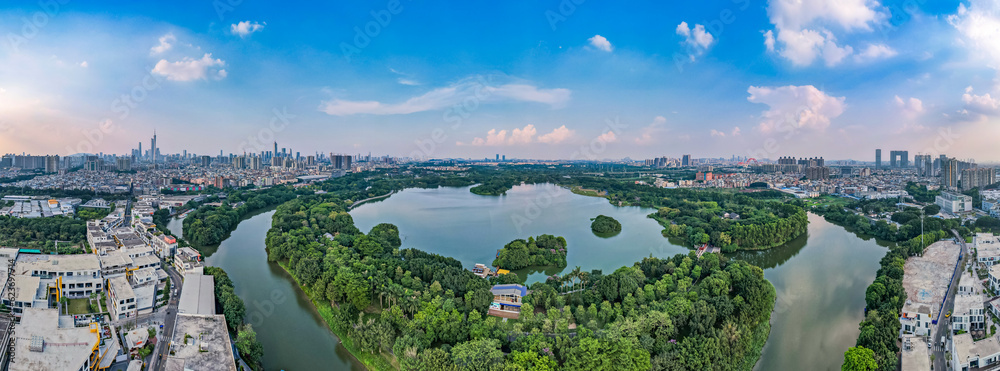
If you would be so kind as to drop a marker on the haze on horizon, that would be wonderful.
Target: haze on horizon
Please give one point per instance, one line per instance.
(832, 78)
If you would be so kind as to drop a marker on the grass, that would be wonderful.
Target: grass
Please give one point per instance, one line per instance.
(78, 306)
(379, 362)
(587, 192)
(827, 200)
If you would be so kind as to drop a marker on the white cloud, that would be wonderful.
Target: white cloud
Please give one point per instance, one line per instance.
(520, 136)
(875, 52)
(406, 81)
(608, 137)
(716, 133)
(979, 23)
(523, 135)
(441, 98)
(245, 28)
(910, 108)
(559, 135)
(696, 39)
(166, 42)
(795, 107)
(601, 43)
(736, 131)
(769, 40)
(981, 104)
(648, 134)
(189, 69)
(84, 64)
(800, 25)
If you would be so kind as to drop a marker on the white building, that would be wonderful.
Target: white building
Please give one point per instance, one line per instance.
(987, 248)
(954, 203)
(123, 300)
(967, 354)
(75, 276)
(41, 344)
(969, 313)
(188, 261)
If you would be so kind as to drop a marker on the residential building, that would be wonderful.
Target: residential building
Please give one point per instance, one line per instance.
(42, 344)
(507, 301)
(970, 355)
(188, 260)
(987, 248)
(969, 313)
(124, 303)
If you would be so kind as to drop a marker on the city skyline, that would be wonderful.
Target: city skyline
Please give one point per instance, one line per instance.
(833, 79)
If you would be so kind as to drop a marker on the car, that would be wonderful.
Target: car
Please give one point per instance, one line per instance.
(947, 315)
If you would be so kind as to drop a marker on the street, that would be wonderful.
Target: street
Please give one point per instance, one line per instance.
(163, 345)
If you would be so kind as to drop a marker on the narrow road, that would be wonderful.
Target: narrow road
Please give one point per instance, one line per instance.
(163, 345)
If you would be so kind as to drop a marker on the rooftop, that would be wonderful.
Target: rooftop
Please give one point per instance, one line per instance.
(966, 349)
(197, 295)
(26, 263)
(121, 287)
(62, 348)
(916, 356)
(207, 349)
(966, 302)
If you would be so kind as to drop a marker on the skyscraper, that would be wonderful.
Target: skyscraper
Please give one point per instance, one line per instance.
(686, 160)
(152, 149)
(878, 159)
(275, 148)
(949, 173)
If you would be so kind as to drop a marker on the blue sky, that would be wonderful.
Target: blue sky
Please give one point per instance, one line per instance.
(538, 79)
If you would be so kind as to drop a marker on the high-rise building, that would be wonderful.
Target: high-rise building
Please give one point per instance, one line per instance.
(153, 149)
(949, 173)
(503, 158)
(206, 161)
(498, 157)
(52, 164)
(899, 159)
(686, 160)
(878, 159)
(923, 164)
(123, 164)
(275, 148)
(978, 177)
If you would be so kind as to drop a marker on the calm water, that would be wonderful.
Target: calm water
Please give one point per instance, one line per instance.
(293, 334)
(820, 278)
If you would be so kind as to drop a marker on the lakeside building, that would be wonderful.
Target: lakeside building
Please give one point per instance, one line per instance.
(46, 343)
(188, 261)
(507, 301)
(200, 339)
(915, 354)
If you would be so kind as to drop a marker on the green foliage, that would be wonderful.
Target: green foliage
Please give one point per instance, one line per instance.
(605, 224)
(226, 301)
(859, 359)
(932, 209)
(209, 225)
(920, 193)
(545, 250)
(88, 213)
(39, 233)
(251, 350)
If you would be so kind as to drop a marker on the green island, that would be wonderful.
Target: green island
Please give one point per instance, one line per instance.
(406, 309)
(605, 225)
(542, 251)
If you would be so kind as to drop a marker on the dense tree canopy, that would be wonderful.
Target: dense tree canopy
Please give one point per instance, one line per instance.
(209, 225)
(545, 250)
(605, 225)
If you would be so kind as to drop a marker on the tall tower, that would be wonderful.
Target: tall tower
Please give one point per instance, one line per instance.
(152, 148)
(878, 159)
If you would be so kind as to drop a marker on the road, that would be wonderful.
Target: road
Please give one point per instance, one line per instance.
(942, 326)
(163, 345)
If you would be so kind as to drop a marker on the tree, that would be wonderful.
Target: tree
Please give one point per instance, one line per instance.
(477, 354)
(932, 209)
(605, 224)
(250, 348)
(859, 358)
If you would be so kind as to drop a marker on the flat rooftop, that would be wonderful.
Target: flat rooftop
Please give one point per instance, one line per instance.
(966, 302)
(966, 349)
(918, 356)
(197, 295)
(926, 278)
(63, 348)
(208, 347)
(26, 263)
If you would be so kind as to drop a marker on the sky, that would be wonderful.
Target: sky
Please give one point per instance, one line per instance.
(570, 79)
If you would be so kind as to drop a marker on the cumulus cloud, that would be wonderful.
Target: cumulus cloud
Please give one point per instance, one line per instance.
(245, 28)
(875, 52)
(769, 40)
(796, 107)
(648, 134)
(910, 108)
(716, 133)
(608, 137)
(441, 98)
(189, 69)
(559, 135)
(166, 42)
(736, 131)
(601, 43)
(801, 32)
(978, 24)
(520, 136)
(696, 39)
(981, 104)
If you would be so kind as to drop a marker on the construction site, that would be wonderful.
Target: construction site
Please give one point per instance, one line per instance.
(926, 279)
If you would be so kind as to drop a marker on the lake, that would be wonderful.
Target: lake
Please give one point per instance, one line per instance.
(820, 277)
